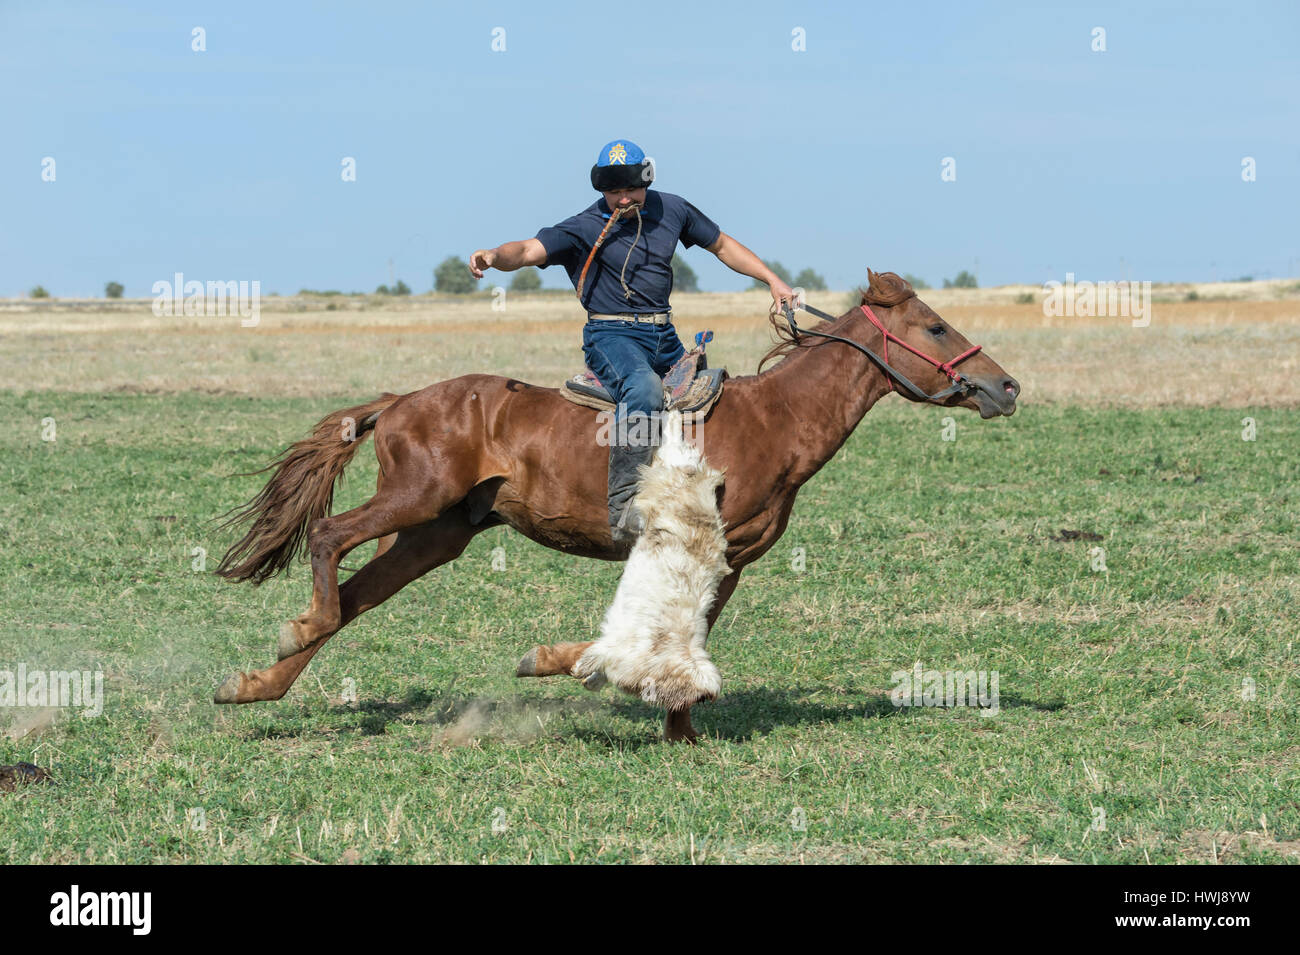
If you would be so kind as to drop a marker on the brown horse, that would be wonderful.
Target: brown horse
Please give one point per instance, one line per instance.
(478, 451)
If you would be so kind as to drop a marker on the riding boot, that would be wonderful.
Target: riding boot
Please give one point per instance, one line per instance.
(625, 462)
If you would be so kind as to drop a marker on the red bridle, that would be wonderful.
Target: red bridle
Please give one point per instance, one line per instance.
(946, 367)
(960, 383)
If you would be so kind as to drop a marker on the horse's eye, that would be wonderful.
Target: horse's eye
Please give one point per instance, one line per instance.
(936, 330)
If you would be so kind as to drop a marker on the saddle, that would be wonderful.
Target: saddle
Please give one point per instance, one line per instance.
(690, 386)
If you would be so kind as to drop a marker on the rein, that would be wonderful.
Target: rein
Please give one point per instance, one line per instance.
(960, 383)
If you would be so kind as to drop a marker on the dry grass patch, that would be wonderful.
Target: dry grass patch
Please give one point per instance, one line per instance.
(1231, 353)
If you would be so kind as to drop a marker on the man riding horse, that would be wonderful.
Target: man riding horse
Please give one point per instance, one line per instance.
(623, 276)
(462, 456)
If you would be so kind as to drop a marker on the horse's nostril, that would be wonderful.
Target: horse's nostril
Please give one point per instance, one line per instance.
(1011, 387)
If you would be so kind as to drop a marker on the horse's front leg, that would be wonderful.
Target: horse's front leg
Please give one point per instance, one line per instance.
(678, 728)
(557, 659)
(677, 723)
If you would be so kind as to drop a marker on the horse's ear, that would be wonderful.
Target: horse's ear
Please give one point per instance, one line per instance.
(887, 288)
(868, 293)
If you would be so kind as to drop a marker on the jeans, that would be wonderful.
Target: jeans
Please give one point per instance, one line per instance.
(630, 359)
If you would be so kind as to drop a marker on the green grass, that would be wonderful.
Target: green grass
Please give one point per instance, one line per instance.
(1120, 690)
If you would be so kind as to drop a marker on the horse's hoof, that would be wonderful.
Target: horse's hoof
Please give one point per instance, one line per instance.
(595, 681)
(678, 728)
(228, 692)
(288, 643)
(528, 665)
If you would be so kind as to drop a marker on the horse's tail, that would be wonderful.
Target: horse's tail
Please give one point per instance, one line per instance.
(301, 491)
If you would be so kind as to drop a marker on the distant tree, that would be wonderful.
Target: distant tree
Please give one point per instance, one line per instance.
(916, 281)
(38, 292)
(781, 272)
(383, 290)
(684, 277)
(526, 280)
(401, 288)
(963, 280)
(453, 276)
(809, 281)
(113, 290)
(1244, 278)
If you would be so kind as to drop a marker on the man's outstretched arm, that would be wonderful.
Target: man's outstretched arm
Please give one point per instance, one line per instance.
(740, 259)
(508, 257)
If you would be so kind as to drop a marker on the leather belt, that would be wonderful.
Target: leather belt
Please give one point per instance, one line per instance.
(656, 318)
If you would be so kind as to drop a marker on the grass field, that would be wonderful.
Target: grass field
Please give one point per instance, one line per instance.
(1121, 690)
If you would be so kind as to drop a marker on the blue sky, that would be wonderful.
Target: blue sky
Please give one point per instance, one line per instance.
(225, 164)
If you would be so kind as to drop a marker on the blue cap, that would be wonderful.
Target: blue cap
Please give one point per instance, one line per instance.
(620, 152)
(622, 164)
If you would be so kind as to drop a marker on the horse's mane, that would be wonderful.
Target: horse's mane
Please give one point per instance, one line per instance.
(885, 289)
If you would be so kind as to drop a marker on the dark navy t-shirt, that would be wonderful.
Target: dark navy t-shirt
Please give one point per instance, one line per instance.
(665, 220)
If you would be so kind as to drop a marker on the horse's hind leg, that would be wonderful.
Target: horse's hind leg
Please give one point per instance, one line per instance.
(393, 509)
(413, 553)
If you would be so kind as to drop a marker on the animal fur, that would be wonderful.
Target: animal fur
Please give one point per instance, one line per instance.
(653, 635)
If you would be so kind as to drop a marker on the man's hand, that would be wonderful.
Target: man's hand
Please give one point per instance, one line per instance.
(480, 261)
(782, 293)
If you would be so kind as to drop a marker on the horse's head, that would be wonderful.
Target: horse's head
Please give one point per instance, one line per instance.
(893, 302)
